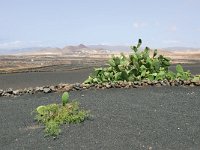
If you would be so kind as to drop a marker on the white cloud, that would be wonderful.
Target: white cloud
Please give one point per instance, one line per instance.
(157, 23)
(173, 28)
(19, 44)
(139, 24)
(171, 42)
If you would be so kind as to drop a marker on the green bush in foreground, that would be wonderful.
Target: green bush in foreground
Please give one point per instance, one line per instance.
(139, 65)
(54, 115)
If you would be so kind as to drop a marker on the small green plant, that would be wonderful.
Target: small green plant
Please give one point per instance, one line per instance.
(65, 98)
(139, 65)
(54, 115)
(181, 74)
(196, 78)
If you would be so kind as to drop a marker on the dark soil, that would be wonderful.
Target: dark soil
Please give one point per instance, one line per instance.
(143, 118)
(33, 79)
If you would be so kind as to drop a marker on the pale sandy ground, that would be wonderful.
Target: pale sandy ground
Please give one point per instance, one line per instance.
(25, 62)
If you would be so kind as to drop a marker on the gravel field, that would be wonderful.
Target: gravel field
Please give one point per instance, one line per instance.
(33, 79)
(142, 118)
(139, 118)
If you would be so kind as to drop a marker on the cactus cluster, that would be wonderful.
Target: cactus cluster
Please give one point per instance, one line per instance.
(139, 65)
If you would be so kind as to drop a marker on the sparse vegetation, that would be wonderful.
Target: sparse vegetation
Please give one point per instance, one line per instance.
(54, 115)
(139, 65)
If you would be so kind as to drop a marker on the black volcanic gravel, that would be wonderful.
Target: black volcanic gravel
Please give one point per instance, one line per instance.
(142, 118)
(33, 79)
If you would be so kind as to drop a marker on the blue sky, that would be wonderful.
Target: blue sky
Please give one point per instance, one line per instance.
(160, 23)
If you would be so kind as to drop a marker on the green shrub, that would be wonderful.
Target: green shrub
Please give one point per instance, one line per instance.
(139, 65)
(54, 115)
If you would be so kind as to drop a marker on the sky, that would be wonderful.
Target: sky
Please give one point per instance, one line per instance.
(56, 23)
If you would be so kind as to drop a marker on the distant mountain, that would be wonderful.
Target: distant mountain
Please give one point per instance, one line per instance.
(122, 48)
(67, 50)
(19, 50)
(181, 49)
(82, 49)
(111, 48)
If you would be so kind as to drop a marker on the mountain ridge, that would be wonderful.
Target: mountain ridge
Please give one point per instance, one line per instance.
(87, 49)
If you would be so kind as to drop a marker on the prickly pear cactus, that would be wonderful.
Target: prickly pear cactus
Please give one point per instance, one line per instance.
(65, 98)
(139, 65)
(41, 110)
